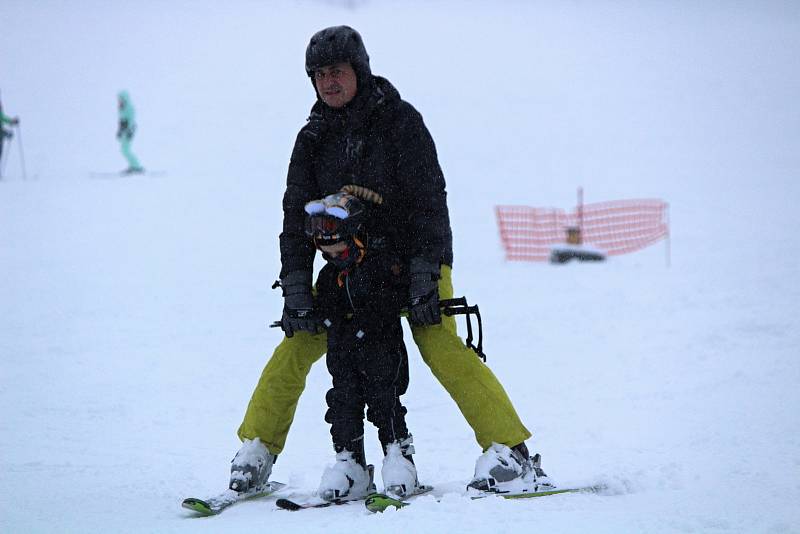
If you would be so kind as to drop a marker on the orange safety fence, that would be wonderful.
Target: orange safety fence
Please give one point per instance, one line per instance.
(614, 227)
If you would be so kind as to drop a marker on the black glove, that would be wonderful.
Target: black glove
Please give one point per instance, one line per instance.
(424, 292)
(298, 304)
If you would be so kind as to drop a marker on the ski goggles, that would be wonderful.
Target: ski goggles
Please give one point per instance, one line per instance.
(340, 205)
(327, 228)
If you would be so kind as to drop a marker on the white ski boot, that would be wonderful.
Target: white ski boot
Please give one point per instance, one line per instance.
(346, 479)
(251, 467)
(502, 468)
(399, 472)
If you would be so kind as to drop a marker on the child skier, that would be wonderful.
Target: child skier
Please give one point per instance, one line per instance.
(360, 292)
(126, 131)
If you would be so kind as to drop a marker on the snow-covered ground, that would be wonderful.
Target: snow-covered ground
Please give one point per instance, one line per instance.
(134, 312)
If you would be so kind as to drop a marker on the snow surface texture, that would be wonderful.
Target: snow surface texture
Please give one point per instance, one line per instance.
(134, 311)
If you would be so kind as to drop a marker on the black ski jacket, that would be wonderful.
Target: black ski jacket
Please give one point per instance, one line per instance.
(378, 141)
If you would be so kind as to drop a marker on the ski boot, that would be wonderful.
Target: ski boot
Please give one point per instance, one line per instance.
(537, 476)
(251, 467)
(347, 479)
(399, 472)
(500, 466)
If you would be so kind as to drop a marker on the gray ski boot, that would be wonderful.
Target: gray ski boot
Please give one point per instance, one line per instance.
(501, 465)
(251, 467)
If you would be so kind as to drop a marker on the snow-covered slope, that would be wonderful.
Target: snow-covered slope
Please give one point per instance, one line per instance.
(134, 312)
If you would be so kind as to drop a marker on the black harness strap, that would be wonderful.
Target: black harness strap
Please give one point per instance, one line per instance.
(459, 306)
(450, 307)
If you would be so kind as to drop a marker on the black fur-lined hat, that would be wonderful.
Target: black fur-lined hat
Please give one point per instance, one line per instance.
(338, 44)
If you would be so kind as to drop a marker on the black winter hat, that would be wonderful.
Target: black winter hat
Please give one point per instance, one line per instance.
(335, 45)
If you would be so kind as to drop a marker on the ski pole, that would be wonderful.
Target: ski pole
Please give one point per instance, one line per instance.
(21, 153)
(3, 157)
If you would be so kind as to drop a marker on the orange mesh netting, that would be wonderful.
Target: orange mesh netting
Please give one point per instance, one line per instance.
(615, 227)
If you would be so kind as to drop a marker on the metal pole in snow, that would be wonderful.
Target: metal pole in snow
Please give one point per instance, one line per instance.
(3, 156)
(21, 153)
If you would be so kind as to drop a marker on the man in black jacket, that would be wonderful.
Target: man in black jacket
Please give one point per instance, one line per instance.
(362, 136)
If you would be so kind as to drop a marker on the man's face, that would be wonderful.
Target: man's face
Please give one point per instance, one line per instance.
(336, 84)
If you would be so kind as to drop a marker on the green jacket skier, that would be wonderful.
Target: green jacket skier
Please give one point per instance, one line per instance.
(360, 130)
(5, 134)
(126, 131)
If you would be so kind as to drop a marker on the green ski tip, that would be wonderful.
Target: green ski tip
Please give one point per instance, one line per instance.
(197, 505)
(378, 502)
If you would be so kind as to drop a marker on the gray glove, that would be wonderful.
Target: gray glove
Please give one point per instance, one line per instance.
(298, 304)
(424, 292)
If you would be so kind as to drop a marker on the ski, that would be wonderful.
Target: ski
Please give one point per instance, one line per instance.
(379, 502)
(216, 504)
(319, 502)
(124, 174)
(545, 493)
(293, 506)
(286, 504)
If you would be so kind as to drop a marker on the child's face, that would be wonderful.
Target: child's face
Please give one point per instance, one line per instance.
(334, 250)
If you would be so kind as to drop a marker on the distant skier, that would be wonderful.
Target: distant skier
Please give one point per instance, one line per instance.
(360, 293)
(5, 134)
(126, 131)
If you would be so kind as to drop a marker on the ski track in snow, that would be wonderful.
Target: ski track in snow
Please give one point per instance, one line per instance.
(135, 311)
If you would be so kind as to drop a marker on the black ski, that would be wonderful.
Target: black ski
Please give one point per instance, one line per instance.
(286, 504)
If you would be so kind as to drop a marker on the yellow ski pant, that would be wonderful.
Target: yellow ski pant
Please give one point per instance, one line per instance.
(477, 392)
